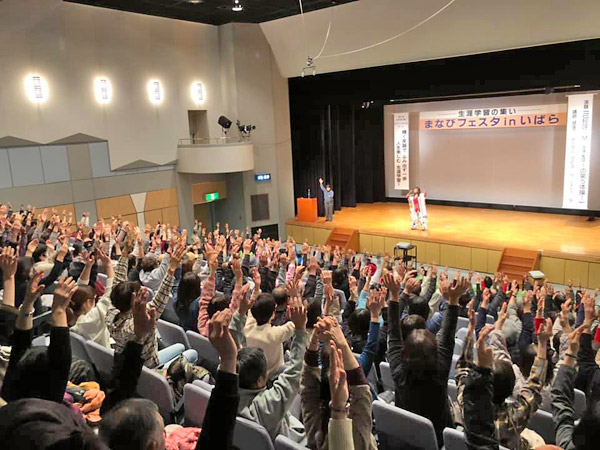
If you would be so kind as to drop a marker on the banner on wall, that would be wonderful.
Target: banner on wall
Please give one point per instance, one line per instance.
(577, 151)
(400, 151)
(494, 117)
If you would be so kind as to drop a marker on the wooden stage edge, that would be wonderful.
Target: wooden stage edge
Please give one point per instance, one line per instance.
(471, 238)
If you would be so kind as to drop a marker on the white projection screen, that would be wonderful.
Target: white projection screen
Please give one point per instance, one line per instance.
(507, 166)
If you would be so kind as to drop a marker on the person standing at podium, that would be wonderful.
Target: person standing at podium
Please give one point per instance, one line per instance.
(328, 199)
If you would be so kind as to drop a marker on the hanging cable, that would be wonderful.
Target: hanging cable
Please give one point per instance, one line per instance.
(393, 37)
(324, 43)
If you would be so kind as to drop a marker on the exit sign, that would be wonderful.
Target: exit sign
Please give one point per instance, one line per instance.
(211, 197)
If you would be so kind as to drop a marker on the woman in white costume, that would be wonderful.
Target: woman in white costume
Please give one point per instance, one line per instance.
(418, 208)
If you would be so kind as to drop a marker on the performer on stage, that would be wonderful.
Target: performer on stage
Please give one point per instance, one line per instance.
(418, 209)
(328, 198)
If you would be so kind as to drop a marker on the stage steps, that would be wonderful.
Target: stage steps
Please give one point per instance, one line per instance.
(517, 263)
(345, 238)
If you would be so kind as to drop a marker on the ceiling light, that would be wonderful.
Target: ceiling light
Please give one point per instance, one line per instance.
(37, 88)
(236, 6)
(195, 2)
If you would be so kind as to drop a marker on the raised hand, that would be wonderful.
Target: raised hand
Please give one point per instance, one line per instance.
(571, 355)
(292, 288)
(453, 293)
(34, 288)
(144, 317)
(297, 313)
(527, 301)
(375, 303)
(590, 311)
(32, 246)
(393, 285)
(176, 255)
(221, 339)
(545, 332)
(484, 351)
(8, 262)
(472, 319)
(65, 289)
(246, 300)
(326, 277)
(337, 383)
(353, 286)
(502, 315)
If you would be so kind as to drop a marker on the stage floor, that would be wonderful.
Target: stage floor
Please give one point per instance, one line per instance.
(555, 234)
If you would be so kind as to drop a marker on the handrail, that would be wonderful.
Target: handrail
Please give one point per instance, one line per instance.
(208, 141)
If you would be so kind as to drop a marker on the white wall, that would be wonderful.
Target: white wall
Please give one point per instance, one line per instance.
(69, 45)
(465, 27)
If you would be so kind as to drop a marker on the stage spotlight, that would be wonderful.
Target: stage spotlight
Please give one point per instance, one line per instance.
(225, 124)
(245, 130)
(236, 6)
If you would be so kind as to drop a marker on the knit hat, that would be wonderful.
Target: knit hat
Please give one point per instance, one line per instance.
(33, 423)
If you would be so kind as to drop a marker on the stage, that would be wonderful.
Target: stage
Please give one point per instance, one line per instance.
(471, 238)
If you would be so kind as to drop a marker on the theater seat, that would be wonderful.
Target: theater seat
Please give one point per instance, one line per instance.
(153, 386)
(541, 422)
(203, 346)
(399, 429)
(285, 443)
(386, 376)
(249, 435)
(195, 402)
(102, 358)
(455, 440)
(172, 334)
(78, 347)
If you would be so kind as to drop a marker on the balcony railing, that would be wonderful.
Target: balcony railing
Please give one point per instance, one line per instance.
(214, 141)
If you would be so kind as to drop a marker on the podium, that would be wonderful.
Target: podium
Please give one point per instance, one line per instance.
(307, 209)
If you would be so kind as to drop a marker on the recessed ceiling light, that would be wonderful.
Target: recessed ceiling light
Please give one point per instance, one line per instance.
(236, 6)
(195, 2)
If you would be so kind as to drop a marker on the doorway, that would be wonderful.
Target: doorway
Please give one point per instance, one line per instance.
(198, 123)
(204, 213)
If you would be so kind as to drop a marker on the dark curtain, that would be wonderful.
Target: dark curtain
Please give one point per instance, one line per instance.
(344, 145)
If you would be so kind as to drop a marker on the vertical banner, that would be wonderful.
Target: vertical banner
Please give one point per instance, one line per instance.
(401, 151)
(577, 151)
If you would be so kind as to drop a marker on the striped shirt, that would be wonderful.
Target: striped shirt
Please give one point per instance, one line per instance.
(120, 325)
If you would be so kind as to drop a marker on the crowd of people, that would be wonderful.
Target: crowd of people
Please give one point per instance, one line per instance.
(293, 324)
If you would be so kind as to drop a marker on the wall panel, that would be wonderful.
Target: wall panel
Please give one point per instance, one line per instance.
(594, 276)
(377, 244)
(578, 271)
(115, 206)
(321, 235)
(479, 259)
(494, 257)
(554, 269)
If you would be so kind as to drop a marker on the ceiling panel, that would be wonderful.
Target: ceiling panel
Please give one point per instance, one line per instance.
(215, 12)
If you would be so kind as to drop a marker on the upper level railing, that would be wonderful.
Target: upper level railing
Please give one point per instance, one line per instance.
(214, 141)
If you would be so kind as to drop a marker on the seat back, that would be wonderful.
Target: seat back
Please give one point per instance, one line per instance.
(102, 357)
(78, 347)
(195, 402)
(452, 390)
(386, 376)
(453, 366)
(455, 440)
(541, 423)
(204, 385)
(203, 346)
(249, 435)
(102, 278)
(153, 386)
(399, 429)
(490, 319)
(461, 333)
(579, 405)
(458, 347)
(463, 322)
(172, 334)
(285, 443)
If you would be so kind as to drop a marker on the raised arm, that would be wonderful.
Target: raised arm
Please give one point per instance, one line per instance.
(221, 412)
(448, 330)
(396, 306)
(478, 406)
(563, 393)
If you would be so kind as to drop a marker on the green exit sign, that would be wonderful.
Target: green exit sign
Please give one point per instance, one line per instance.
(211, 197)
